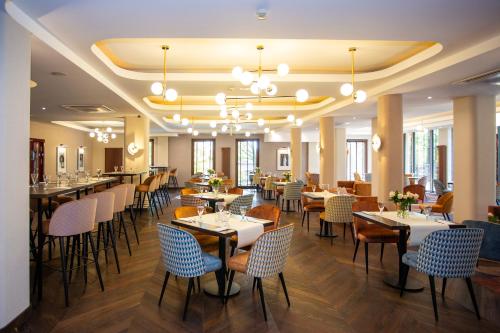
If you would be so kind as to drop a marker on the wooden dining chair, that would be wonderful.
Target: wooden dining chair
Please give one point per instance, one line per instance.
(188, 191)
(235, 190)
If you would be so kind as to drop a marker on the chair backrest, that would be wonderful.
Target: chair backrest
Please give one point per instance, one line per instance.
(268, 184)
(105, 205)
(73, 218)
(417, 189)
(490, 248)
(228, 182)
(450, 253)
(185, 211)
(189, 190)
(120, 192)
(364, 189)
(173, 172)
(181, 253)
(446, 200)
(266, 212)
(422, 181)
(235, 190)
(345, 183)
(219, 174)
(293, 191)
(338, 209)
(357, 176)
(148, 180)
(256, 178)
(268, 254)
(243, 200)
(366, 198)
(439, 187)
(190, 200)
(163, 178)
(129, 200)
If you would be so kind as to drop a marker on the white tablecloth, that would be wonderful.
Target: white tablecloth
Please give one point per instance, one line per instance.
(228, 198)
(420, 227)
(248, 231)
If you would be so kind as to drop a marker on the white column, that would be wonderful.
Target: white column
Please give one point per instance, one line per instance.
(374, 180)
(137, 131)
(327, 151)
(15, 69)
(340, 154)
(390, 155)
(296, 152)
(474, 163)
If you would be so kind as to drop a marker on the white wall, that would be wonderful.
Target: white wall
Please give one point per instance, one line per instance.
(313, 157)
(15, 69)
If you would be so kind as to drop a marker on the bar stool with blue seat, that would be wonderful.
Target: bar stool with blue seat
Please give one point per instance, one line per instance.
(446, 254)
(183, 257)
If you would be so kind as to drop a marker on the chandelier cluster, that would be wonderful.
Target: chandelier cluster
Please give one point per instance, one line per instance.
(347, 89)
(103, 135)
(160, 88)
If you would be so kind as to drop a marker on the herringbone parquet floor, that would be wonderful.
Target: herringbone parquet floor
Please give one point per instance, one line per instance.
(328, 293)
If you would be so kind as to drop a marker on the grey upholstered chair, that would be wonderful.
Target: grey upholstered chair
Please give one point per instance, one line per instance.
(338, 209)
(292, 192)
(446, 254)
(242, 200)
(440, 188)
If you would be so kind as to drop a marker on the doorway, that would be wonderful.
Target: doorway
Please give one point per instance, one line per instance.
(112, 157)
(247, 159)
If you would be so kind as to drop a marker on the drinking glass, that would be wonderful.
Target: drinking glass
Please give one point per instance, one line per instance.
(87, 176)
(116, 168)
(227, 217)
(122, 168)
(314, 188)
(243, 212)
(226, 189)
(220, 206)
(380, 207)
(201, 210)
(34, 179)
(427, 212)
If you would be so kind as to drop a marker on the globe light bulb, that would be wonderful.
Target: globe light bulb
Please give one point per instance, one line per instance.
(190, 130)
(346, 89)
(214, 133)
(113, 136)
(96, 130)
(247, 134)
(290, 118)
(237, 127)
(157, 88)
(176, 117)
(254, 88)
(237, 71)
(360, 96)
(235, 114)
(260, 122)
(246, 78)
(92, 134)
(272, 90)
(223, 114)
(213, 124)
(195, 133)
(220, 98)
(184, 122)
(171, 95)
(302, 95)
(248, 106)
(264, 82)
(109, 130)
(99, 134)
(266, 130)
(105, 140)
(283, 69)
(249, 115)
(224, 128)
(99, 138)
(299, 122)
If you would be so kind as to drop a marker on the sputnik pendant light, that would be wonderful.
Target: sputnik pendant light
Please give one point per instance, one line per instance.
(160, 88)
(347, 89)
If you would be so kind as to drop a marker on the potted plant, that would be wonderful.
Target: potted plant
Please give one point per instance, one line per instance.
(288, 176)
(403, 202)
(215, 183)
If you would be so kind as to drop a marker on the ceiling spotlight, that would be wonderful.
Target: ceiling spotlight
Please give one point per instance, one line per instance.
(109, 130)
(290, 118)
(299, 122)
(237, 71)
(428, 97)
(213, 124)
(260, 122)
(246, 78)
(44, 108)
(185, 122)
(224, 128)
(190, 130)
(157, 88)
(302, 95)
(266, 130)
(248, 106)
(235, 114)
(195, 133)
(360, 96)
(220, 98)
(272, 90)
(176, 117)
(249, 115)
(261, 14)
(283, 69)
(214, 133)
(92, 134)
(247, 134)
(237, 127)
(113, 136)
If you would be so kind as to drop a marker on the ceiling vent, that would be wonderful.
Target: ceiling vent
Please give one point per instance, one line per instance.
(89, 108)
(491, 77)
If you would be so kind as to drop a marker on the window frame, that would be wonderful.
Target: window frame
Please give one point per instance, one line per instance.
(237, 141)
(193, 141)
(365, 164)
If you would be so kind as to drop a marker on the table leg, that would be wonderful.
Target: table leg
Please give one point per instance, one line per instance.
(212, 288)
(39, 258)
(328, 231)
(140, 178)
(132, 179)
(78, 195)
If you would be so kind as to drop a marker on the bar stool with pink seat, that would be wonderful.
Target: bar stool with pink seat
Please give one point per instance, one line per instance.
(104, 218)
(120, 192)
(73, 219)
(129, 203)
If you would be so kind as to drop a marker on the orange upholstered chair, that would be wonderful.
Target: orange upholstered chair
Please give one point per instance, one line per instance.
(308, 205)
(207, 242)
(443, 205)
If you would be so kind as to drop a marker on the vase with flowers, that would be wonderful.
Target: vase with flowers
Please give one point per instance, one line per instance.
(215, 183)
(403, 202)
(288, 176)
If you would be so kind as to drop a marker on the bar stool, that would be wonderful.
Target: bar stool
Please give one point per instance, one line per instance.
(164, 188)
(129, 202)
(120, 192)
(70, 220)
(104, 217)
(172, 178)
(146, 190)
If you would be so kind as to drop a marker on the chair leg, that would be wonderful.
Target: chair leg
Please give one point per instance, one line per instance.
(307, 221)
(320, 227)
(122, 223)
(199, 284)
(473, 297)
(443, 288)
(229, 284)
(96, 262)
(233, 248)
(404, 271)
(262, 301)
(190, 289)
(433, 294)
(366, 257)
(113, 243)
(72, 259)
(282, 278)
(85, 256)
(381, 251)
(254, 282)
(355, 250)
(63, 266)
(135, 227)
(351, 227)
(165, 280)
(303, 218)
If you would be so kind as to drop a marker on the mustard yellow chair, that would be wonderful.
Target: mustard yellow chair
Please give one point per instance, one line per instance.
(443, 205)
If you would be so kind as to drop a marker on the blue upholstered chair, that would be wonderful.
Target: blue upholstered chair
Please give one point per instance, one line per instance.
(446, 254)
(242, 200)
(266, 258)
(183, 257)
(490, 248)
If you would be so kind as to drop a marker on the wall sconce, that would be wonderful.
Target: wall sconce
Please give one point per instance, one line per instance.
(376, 142)
(132, 148)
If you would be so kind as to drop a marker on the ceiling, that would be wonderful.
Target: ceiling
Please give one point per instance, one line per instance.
(417, 48)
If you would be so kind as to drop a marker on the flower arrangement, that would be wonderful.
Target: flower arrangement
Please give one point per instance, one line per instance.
(287, 175)
(215, 182)
(403, 201)
(211, 171)
(492, 218)
(257, 170)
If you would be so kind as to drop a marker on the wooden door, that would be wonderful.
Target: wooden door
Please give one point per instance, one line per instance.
(442, 163)
(226, 161)
(112, 157)
(37, 157)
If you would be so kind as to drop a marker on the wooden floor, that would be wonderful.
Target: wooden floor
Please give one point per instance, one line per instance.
(328, 293)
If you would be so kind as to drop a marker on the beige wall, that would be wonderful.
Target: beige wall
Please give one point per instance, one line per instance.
(98, 149)
(137, 130)
(161, 150)
(55, 135)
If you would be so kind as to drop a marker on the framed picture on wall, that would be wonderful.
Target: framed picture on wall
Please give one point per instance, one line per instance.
(61, 161)
(80, 159)
(283, 159)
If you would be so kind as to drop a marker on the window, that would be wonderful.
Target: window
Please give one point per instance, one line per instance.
(247, 159)
(203, 155)
(409, 152)
(151, 152)
(357, 156)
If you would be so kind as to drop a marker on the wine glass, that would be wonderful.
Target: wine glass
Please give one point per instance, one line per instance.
(34, 179)
(201, 210)
(99, 173)
(427, 212)
(380, 207)
(87, 176)
(243, 212)
(220, 206)
(45, 181)
(116, 168)
(226, 188)
(122, 168)
(314, 188)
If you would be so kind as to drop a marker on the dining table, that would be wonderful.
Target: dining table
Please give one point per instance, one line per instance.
(412, 230)
(49, 191)
(248, 230)
(121, 174)
(212, 198)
